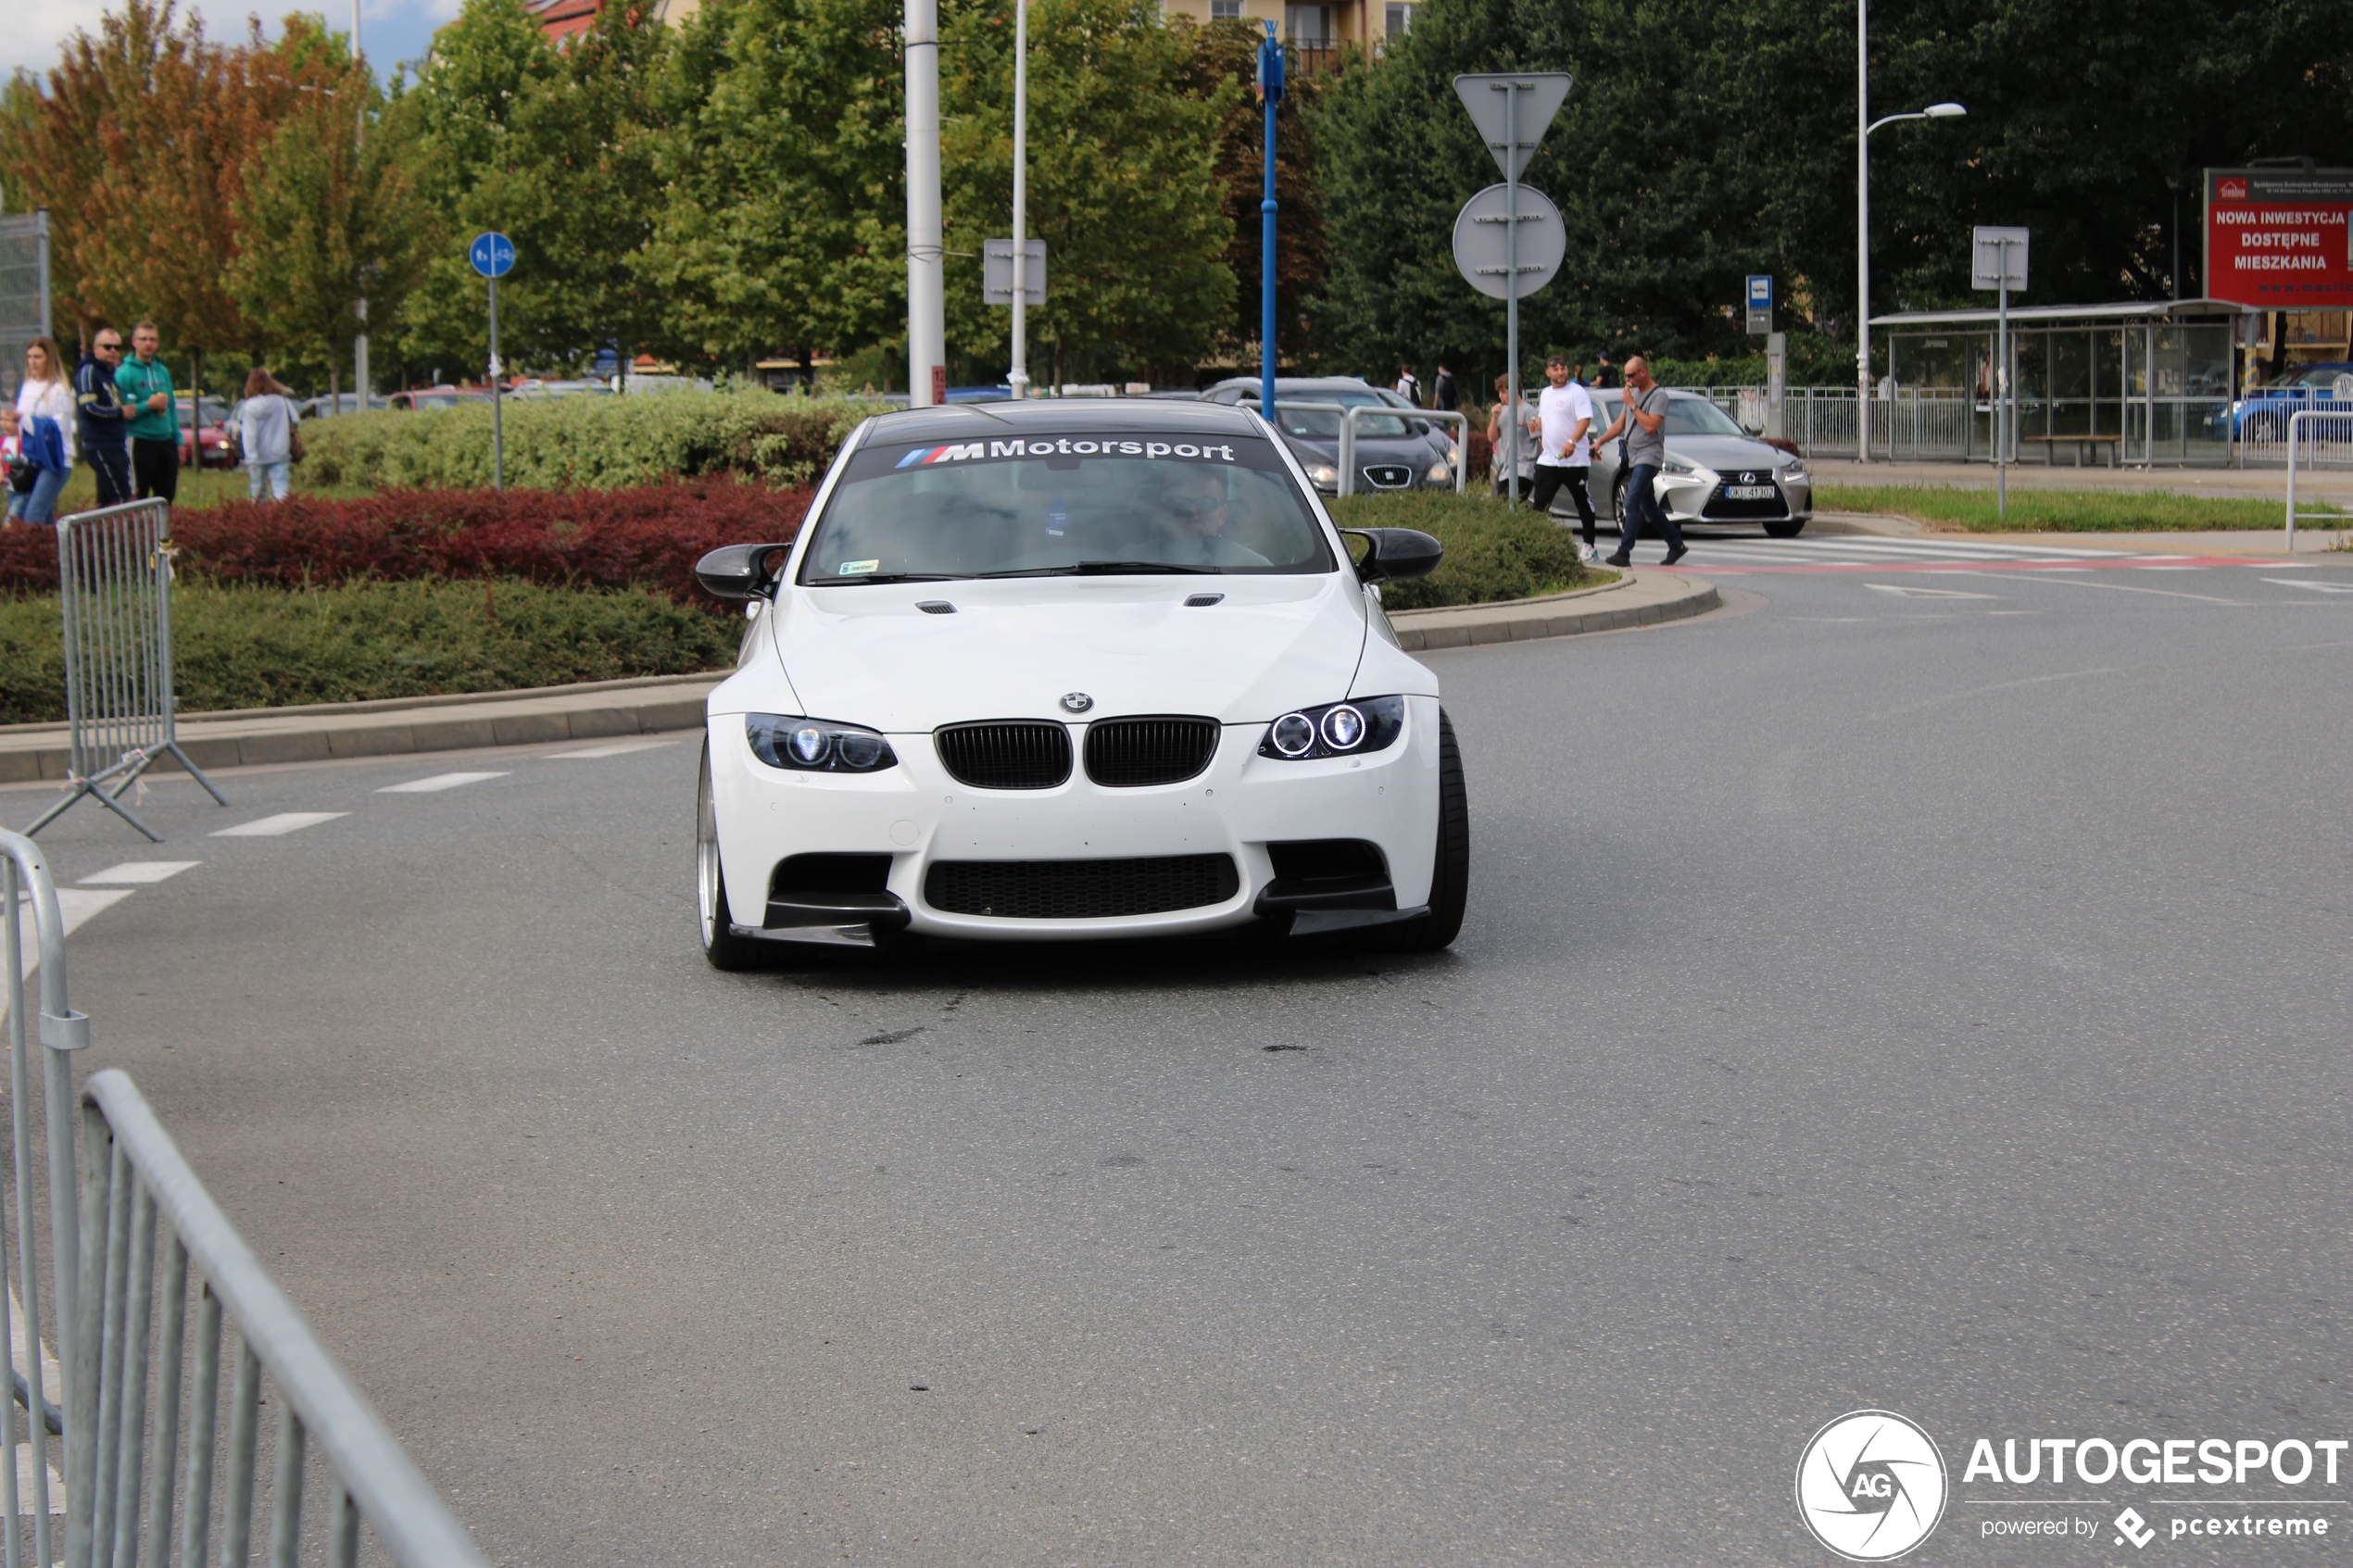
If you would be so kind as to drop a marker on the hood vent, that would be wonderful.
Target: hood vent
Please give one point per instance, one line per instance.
(1005, 754)
(934, 606)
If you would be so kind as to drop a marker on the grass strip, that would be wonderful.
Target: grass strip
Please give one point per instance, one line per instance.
(247, 647)
(2054, 511)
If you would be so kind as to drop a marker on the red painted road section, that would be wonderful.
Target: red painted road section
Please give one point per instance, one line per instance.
(1696, 563)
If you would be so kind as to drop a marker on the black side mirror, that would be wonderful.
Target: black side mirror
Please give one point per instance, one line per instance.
(1396, 554)
(741, 572)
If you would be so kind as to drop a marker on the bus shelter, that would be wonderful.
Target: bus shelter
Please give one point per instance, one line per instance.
(2136, 384)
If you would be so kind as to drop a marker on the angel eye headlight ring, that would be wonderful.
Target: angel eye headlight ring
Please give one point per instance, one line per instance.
(817, 746)
(1335, 729)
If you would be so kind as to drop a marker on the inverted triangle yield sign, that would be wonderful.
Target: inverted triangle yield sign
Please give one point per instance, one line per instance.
(1538, 96)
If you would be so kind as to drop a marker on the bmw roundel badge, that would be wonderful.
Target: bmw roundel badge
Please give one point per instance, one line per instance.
(1076, 702)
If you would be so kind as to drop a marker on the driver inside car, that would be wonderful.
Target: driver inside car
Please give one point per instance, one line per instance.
(1194, 499)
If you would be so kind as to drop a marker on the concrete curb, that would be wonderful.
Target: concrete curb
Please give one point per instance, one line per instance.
(1644, 597)
(597, 710)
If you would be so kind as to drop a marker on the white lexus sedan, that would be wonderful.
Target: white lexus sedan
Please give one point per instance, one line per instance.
(1066, 669)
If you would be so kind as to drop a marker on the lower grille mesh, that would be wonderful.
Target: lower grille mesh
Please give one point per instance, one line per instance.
(1079, 889)
(1128, 753)
(1007, 755)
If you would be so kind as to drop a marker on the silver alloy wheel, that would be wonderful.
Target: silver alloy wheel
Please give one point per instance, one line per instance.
(707, 857)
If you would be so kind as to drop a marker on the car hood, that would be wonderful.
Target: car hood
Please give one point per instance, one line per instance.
(1013, 648)
(1721, 451)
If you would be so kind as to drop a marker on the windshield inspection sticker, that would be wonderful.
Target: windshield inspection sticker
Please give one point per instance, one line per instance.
(1872, 1485)
(1061, 446)
(857, 568)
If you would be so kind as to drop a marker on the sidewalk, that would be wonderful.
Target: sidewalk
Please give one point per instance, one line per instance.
(2163, 542)
(2264, 484)
(1643, 596)
(594, 710)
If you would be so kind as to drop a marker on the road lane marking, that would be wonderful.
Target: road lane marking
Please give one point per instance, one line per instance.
(2316, 587)
(1987, 691)
(618, 748)
(139, 871)
(437, 784)
(283, 822)
(1900, 591)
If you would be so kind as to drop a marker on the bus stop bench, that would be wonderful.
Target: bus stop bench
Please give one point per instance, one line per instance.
(2108, 446)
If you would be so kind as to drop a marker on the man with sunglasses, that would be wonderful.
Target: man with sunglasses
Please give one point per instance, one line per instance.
(100, 419)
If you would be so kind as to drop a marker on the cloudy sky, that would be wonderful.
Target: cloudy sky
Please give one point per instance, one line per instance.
(391, 30)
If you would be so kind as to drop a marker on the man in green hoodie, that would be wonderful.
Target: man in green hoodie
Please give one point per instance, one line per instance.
(144, 382)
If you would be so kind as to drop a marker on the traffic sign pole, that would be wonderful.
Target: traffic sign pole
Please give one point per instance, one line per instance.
(498, 433)
(1511, 296)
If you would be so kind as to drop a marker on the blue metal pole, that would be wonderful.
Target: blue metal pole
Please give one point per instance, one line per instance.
(1270, 89)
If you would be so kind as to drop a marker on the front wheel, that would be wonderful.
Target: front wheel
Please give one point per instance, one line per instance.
(720, 944)
(1788, 527)
(1450, 873)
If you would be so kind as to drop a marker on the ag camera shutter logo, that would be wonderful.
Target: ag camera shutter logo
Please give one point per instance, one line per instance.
(1872, 1486)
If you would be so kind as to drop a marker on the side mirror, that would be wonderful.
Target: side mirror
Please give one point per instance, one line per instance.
(1396, 554)
(741, 572)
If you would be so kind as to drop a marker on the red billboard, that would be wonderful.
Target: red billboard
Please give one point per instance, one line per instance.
(2280, 239)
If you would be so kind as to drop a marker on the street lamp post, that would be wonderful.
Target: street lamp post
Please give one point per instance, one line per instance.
(1018, 378)
(1270, 93)
(1864, 126)
(358, 139)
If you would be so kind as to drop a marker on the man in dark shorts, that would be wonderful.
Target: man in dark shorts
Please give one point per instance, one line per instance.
(144, 382)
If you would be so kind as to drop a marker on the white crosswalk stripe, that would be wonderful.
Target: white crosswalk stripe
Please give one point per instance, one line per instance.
(1848, 551)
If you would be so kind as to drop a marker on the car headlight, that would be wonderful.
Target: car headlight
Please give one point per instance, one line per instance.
(817, 746)
(1678, 467)
(1794, 468)
(1441, 473)
(1322, 473)
(1337, 729)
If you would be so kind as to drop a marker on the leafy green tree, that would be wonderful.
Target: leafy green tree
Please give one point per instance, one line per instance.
(1123, 186)
(782, 164)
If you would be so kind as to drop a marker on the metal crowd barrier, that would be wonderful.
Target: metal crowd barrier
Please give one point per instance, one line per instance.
(134, 1320)
(2306, 445)
(114, 578)
(139, 1387)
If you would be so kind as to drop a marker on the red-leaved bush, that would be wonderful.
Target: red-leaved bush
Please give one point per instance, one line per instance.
(650, 535)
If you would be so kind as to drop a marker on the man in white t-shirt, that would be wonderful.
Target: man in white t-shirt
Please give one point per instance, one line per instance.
(1563, 426)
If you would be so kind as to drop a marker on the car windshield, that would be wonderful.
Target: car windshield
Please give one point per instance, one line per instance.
(1307, 426)
(1685, 416)
(2318, 375)
(1063, 505)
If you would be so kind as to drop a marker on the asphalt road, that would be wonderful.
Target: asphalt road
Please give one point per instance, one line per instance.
(1932, 1003)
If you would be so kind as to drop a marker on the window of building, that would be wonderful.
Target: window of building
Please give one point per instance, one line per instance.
(1225, 10)
(1309, 25)
(1400, 18)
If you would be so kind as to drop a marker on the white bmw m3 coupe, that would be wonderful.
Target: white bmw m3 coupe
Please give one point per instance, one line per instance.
(1074, 669)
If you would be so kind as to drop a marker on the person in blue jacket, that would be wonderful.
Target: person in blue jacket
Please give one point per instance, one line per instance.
(103, 426)
(40, 422)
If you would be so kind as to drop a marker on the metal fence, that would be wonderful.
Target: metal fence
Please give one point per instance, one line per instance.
(114, 579)
(154, 1296)
(24, 294)
(2316, 440)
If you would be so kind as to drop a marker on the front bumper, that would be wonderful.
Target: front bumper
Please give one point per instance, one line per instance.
(1701, 499)
(918, 815)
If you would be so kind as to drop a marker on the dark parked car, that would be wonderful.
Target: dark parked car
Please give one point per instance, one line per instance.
(2262, 414)
(1396, 452)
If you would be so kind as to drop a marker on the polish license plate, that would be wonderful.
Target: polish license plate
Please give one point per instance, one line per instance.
(1749, 492)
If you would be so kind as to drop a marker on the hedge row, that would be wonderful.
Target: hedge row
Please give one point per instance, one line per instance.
(1492, 553)
(594, 443)
(649, 536)
(255, 646)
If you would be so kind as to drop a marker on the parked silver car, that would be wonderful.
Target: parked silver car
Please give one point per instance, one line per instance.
(1715, 472)
(1403, 453)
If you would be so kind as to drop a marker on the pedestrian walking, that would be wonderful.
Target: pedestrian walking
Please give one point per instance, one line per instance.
(100, 424)
(1563, 426)
(42, 424)
(1499, 425)
(1409, 386)
(144, 382)
(1643, 419)
(269, 433)
(1442, 393)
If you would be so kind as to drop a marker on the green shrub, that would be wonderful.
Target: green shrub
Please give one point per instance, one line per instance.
(1492, 553)
(245, 647)
(596, 443)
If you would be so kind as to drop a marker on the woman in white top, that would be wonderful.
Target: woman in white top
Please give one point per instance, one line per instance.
(266, 421)
(1499, 434)
(42, 424)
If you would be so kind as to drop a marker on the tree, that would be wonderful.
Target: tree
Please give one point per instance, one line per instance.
(783, 169)
(1123, 184)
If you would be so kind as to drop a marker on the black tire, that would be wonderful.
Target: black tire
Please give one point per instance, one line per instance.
(1787, 529)
(1617, 504)
(720, 944)
(1450, 875)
